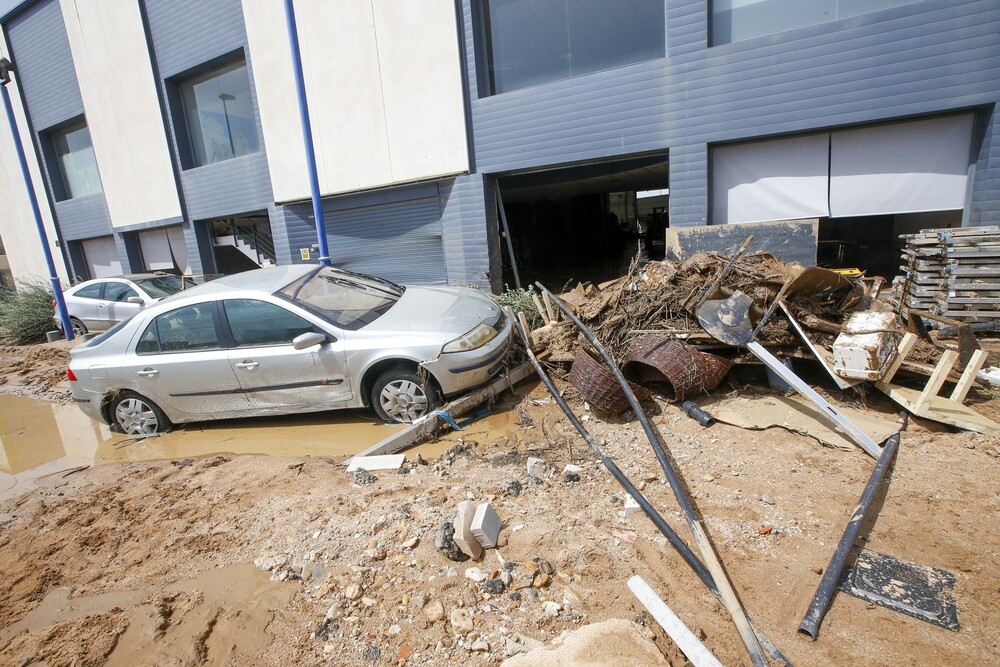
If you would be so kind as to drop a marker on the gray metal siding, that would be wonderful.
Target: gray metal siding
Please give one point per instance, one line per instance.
(985, 201)
(44, 64)
(923, 58)
(399, 239)
(83, 218)
(186, 34)
(463, 225)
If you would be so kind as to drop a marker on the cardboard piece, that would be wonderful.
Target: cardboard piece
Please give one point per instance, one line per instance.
(799, 416)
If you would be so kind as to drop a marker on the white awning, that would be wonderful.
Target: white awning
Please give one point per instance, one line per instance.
(102, 257)
(901, 168)
(781, 179)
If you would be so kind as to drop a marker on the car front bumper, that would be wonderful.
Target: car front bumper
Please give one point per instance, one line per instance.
(460, 371)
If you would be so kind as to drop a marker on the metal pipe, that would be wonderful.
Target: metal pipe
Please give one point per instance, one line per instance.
(57, 294)
(828, 584)
(307, 136)
(726, 593)
(694, 411)
(689, 556)
(506, 235)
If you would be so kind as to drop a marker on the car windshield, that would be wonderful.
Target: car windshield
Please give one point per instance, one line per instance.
(348, 300)
(160, 286)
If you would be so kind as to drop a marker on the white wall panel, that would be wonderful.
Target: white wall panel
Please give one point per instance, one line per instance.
(422, 88)
(783, 179)
(123, 113)
(901, 168)
(17, 223)
(384, 86)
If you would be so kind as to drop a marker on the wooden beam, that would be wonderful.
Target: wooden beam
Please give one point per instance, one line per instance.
(905, 345)
(426, 426)
(969, 376)
(940, 374)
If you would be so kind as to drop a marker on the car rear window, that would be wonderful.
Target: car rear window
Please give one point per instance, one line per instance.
(347, 300)
(90, 291)
(186, 329)
(160, 286)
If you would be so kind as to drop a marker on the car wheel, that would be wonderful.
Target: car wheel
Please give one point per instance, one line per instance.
(400, 395)
(78, 327)
(136, 415)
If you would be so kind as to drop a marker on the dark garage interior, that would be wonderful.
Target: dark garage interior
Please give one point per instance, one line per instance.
(584, 223)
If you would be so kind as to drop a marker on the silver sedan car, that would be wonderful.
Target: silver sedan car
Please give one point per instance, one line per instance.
(97, 305)
(289, 339)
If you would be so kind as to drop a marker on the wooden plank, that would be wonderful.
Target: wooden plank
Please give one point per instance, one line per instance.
(937, 378)
(523, 321)
(540, 308)
(969, 376)
(940, 409)
(905, 345)
(426, 426)
(549, 308)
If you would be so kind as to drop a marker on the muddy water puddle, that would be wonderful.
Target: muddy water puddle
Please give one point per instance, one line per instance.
(39, 438)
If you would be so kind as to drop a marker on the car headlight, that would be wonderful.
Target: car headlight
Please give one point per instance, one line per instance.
(478, 337)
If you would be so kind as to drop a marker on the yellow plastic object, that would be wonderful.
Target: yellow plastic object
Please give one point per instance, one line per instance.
(851, 274)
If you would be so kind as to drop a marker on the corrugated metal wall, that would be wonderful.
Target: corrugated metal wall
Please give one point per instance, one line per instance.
(923, 58)
(396, 234)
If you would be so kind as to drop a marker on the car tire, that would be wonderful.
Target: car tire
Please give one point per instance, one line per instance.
(401, 396)
(79, 329)
(134, 414)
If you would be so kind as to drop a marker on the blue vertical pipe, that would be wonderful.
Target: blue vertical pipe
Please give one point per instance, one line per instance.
(307, 136)
(33, 198)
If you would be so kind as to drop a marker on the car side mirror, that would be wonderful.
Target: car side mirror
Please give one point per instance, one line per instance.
(136, 300)
(308, 339)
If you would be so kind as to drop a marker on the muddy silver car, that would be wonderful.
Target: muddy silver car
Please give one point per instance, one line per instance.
(289, 339)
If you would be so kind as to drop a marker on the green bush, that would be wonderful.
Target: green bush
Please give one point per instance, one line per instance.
(26, 314)
(520, 300)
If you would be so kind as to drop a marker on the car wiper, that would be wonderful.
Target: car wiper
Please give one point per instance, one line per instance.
(347, 282)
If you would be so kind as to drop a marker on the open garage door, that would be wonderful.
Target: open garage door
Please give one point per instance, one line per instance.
(585, 222)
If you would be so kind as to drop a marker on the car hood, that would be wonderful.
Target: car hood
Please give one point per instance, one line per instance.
(447, 310)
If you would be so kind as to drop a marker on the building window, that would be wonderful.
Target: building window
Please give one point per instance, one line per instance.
(737, 20)
(536, 41)
(219, 114)
(74, 154)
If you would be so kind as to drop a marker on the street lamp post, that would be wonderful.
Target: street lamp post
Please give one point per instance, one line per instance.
(226, 97)
(5, 71)
(300, 89)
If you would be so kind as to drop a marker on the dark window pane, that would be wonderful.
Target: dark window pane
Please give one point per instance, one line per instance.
(90, 291)
(536, 41)
(77, 164)
(256, 323)
(188, 328)
(219, 114)
(148, 344)
(118, 292)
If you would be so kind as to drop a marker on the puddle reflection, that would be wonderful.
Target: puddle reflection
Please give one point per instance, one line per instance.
(38, 438)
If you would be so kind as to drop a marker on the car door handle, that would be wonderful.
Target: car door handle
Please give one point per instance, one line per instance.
(147, 372)
(247, 365)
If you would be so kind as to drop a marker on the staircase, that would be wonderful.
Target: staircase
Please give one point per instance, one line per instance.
(255, 241)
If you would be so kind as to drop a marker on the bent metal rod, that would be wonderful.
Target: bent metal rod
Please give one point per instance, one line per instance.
(726, 592)
(689, 557)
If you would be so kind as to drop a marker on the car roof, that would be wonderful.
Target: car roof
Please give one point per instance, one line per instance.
(131, 276)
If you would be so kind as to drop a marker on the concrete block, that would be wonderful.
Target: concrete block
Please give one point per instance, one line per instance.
(631, 507)
(486, 525)
(464, 538)
(866, 346)
(384, 462)
(536, 467)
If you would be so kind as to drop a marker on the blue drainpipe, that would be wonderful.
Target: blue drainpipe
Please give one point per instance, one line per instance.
(300, 89)
(5, 69)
